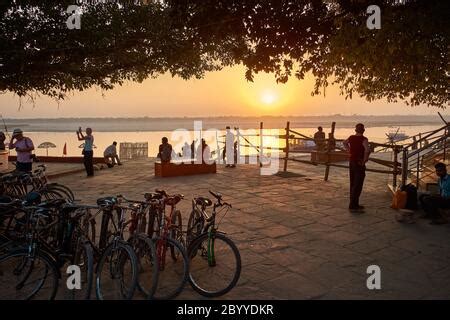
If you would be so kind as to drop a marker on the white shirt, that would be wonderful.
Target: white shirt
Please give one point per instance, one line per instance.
(110, 151)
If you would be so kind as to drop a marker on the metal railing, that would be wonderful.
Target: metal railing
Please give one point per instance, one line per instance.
(419, 157)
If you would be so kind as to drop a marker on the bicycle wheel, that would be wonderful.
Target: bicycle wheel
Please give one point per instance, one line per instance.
(194, 227)
(63, 188)
(148, 268)
(117, 272)
(25, 277)
(215, 265)
(176, 233)
(109, 227)
(51, 194)
(173, 274)
(84, 259)
(154, 223)
(67, 194)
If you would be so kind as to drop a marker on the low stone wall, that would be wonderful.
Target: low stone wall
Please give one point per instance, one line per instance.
(183, 169)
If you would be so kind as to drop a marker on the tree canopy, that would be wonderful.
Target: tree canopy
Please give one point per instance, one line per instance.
(407, 59)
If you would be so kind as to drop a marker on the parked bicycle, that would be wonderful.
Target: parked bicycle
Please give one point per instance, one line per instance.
(166, 229)
(214, 259)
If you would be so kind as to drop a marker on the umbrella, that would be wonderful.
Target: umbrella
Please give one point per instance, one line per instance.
(46, 145)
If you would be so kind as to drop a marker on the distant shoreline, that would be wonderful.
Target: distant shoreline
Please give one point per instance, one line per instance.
(145, 124)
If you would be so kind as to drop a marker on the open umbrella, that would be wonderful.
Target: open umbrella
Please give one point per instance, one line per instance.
(46, 145)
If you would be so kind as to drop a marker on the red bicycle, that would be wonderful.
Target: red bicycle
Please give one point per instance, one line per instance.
(168, 237)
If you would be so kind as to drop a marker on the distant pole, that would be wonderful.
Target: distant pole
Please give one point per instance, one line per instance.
(330, 145)
(218, 148)
(261, 147)
(287, 147)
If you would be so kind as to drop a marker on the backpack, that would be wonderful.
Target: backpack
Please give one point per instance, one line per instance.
(411, 198)
(399, 200)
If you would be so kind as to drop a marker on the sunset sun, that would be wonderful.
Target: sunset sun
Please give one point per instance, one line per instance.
(269, 97)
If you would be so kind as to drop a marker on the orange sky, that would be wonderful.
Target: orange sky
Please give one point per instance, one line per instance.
(220, 93)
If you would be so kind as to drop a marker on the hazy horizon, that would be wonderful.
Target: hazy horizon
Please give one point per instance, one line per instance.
(220, 93)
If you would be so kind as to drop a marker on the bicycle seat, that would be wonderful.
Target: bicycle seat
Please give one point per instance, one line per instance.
(32, 198)
(161, 192)
(106, 201)
(153, 196)
(202, 201)
(216, 195)
(171, 201)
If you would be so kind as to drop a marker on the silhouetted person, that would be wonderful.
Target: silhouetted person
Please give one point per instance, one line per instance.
(111, 156)
(2, 141)
(203, 153)
(358, 146)
(88, 150)
(165, 151)
(319, 139)
(24, 147)
(432, 203)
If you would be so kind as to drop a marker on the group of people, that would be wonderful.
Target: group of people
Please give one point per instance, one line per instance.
(357, 146)
(110, 154)
(203, 152)
(166, 153)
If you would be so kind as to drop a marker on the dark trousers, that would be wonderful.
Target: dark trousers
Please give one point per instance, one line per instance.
(432, 203)
(88, 162)
(24, 166)
(357, 175)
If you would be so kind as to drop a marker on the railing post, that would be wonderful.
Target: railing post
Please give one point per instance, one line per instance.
(261, 147)
(287, 147)
(330, 147)
(394, 179)
(404, 166)
(445, 144)
(417, 170)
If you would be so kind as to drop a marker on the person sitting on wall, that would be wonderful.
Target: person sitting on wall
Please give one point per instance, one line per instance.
(165, 151)
(432, 203)
(203, 153)
(110, 155)
(319, 139)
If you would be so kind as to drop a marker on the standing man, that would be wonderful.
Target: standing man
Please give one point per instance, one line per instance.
(88, 150)
(24, 147)
(358, 146)
(110, 153)
(319, 139)
(229, 149)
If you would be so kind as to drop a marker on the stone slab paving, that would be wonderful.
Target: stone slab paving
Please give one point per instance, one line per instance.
(296, 237)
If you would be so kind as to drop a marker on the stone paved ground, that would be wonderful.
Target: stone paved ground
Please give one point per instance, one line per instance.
(296, 237)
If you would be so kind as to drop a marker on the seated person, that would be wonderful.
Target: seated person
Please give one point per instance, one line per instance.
(111, 156)
(319, 139)
(165, 151)
(432, 203)
(203, 153)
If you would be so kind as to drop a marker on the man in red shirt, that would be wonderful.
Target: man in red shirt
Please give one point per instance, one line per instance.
(358, 146)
